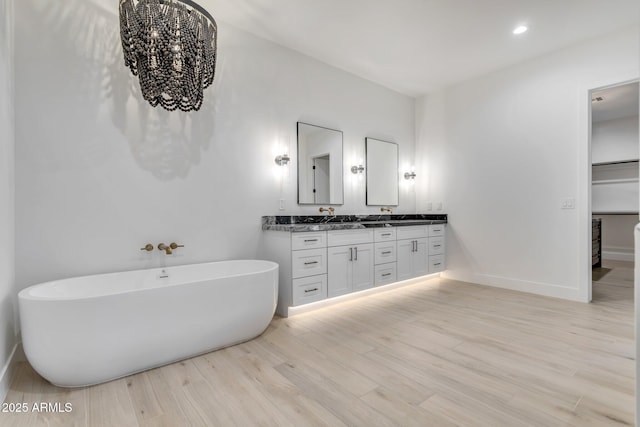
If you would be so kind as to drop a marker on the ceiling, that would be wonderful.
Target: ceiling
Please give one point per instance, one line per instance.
(417, 46)
(617, 102)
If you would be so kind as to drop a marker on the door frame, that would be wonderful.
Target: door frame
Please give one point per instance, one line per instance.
(584, 204)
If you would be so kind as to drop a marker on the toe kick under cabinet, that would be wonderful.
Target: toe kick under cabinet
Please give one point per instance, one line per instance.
(323, 264)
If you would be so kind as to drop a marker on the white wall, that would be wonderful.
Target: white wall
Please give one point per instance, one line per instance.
(502, 151)
(614, 140)
(100, 173)
(617, 236)
(8, 320)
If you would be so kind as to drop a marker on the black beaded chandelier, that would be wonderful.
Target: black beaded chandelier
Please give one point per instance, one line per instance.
(171, 46)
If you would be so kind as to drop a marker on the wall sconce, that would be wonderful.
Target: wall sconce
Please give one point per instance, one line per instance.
(409, 175)
(357, 169)
(282, 160)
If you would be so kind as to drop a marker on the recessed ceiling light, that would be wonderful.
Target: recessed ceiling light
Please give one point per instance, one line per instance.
(520, 29)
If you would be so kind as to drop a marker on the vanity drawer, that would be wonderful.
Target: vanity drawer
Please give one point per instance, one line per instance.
(311, 240)
(436, 263)
(309, 262)
(384, 234)
(436, 230)
(436, 245)
(349, 237)
(411, 232)
(309, 289)
(384, 252)
(385, 274)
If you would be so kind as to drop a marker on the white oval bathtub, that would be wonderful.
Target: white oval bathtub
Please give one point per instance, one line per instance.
(87, 330)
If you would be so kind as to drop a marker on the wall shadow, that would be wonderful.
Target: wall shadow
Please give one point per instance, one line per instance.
(166, 144)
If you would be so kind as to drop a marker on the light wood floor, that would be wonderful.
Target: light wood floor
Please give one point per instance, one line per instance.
(438, 353)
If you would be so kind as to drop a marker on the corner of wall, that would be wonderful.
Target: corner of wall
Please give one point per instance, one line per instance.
(8, 292)
(9, 370)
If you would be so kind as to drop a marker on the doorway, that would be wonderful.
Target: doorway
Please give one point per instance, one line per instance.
(321, 174)
(615, 190)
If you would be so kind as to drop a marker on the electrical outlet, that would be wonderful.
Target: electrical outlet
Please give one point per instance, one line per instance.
(429, 206)
(281, 204)
(439, 206)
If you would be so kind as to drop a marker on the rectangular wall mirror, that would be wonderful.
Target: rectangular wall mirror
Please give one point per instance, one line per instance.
(319, 165)
(382, 172)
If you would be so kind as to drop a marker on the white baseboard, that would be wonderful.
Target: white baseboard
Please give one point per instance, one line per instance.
(544, 289)
(6, 375)
(618, 255)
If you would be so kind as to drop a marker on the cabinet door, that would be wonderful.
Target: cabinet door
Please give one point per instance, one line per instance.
(362, 267)
(339, 270)
(404, 255)
(421, 258)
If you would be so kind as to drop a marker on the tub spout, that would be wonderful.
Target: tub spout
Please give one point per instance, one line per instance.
(165, 248)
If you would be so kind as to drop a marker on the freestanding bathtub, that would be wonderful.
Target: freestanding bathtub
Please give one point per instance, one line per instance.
(87, 330)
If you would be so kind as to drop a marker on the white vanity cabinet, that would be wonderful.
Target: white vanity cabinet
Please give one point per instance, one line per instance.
(316, 265)
(349, 261)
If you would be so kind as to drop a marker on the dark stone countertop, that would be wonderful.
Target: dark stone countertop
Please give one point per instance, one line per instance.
(347, 222)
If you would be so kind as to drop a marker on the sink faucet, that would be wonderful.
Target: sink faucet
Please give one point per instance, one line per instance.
(169, 249)
(330, 210)
(163, 247)
(386, 209)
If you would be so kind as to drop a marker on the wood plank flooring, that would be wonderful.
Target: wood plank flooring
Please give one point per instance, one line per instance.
(438, 353)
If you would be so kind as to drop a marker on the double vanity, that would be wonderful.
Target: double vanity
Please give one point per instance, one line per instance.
(324, 257)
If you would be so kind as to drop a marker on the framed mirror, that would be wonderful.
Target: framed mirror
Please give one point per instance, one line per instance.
(382, 172)
(319, 165)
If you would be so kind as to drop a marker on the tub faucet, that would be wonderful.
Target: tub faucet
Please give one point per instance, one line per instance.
(165, 248)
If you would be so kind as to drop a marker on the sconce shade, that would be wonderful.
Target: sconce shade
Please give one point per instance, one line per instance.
(171, 46)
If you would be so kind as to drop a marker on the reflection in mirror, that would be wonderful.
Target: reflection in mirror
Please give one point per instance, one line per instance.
(319, 165)
(382, 173)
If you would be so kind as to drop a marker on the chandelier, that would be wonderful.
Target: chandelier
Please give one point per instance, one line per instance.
(171, 46)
